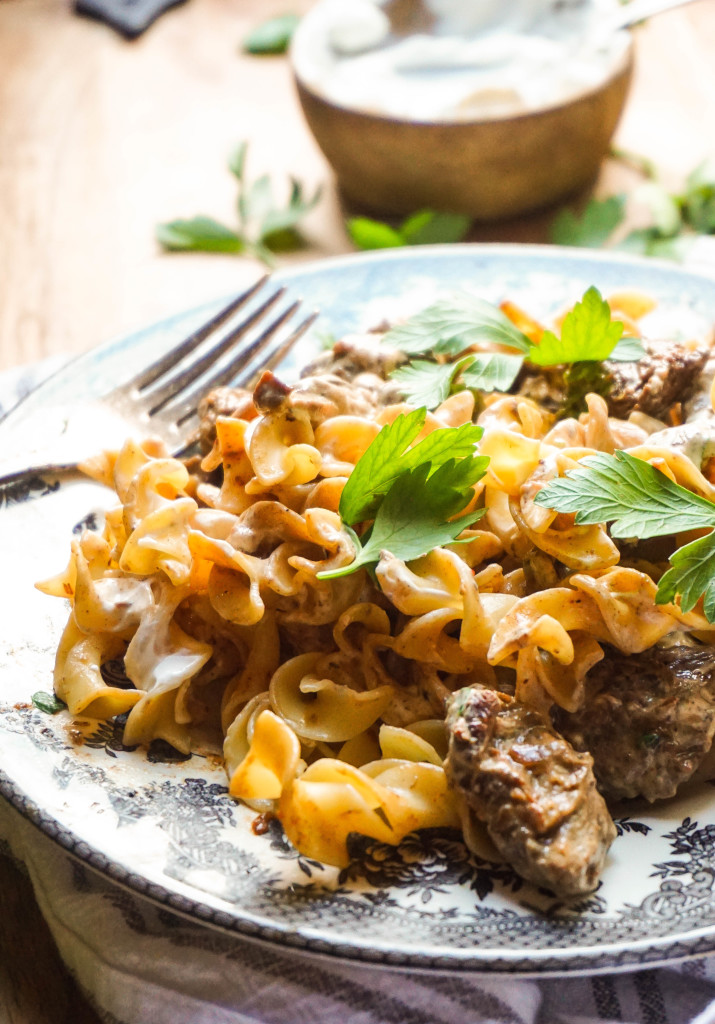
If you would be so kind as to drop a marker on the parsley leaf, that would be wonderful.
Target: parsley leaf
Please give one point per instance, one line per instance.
(388, 457)
(426, 227)
(414, 516)
(198, 234)
(596, 224)
(277, 221)
(491, 371)
(264, 225)
(698, 201)
(663, 207)
(47, 702)
(639, 499)
(692, 576)
(272, 36)
(650, 242)
(372, 234)
(449, 326)
(587, 334)
(674, 219)
(430, 227)
(642, 502)
(378, 466)
(628, 350)
(423, 382)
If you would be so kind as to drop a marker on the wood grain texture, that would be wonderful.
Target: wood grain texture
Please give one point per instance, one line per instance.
(100, 139)
(35, 988)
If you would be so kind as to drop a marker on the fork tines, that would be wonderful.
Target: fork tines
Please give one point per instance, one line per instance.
(171, 388)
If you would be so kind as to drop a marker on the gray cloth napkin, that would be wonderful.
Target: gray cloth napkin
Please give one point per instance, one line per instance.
(141, 964)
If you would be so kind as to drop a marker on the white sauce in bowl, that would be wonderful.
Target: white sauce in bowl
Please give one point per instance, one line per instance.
(479, 59)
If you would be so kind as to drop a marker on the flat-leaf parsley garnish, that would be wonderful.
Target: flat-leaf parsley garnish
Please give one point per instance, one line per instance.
(640, 502)
(390, 454)
(449, 327)
(412, 495)
(588, 334)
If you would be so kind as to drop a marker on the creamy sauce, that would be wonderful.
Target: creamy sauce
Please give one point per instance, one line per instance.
(473, 58)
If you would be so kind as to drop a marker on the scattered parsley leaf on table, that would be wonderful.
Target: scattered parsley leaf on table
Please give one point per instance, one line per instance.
(642, 502)
(432, 227)
(426, 227)
(649, 242)
(272, 36)
(664, 208)
(264, 226)
(698, 200)
(372, 234)
(594, 227)
(203, 234)
(675, 218)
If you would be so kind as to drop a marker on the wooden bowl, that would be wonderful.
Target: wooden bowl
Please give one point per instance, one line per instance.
(490, 169)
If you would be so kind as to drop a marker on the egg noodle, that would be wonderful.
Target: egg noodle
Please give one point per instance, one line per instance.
(326, 697)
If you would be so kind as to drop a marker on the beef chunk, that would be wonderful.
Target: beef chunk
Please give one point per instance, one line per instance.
(535, 793)
(352, 379)
(353, 356)
(668, 373)
(270, 394)
(648, 720)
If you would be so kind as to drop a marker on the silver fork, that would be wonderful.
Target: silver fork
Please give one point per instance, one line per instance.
(162, 399)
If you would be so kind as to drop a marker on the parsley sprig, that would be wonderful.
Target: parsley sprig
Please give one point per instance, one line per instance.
(640, 502)
(594, 227)
(264, 226)
(673, 219)
(426, 227)
(450, 326)
(411, 494)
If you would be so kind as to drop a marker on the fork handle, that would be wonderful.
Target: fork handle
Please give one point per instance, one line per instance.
(19, 468)
(52, 440)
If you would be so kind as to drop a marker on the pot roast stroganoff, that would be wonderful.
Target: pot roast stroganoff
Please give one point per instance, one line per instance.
(458, 576)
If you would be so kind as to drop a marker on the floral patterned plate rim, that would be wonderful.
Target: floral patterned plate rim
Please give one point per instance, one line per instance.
(165, 827)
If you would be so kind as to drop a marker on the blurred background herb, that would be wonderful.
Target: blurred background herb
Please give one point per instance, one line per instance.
(272, 36)
(673, 220)
(264, 226)
(422, 228)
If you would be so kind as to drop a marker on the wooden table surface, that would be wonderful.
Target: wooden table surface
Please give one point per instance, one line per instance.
(100, 139)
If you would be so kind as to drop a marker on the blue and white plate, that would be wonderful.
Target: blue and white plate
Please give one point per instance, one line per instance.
(167, 829)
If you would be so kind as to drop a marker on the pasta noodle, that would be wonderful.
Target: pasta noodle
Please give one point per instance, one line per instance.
(327, 696)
